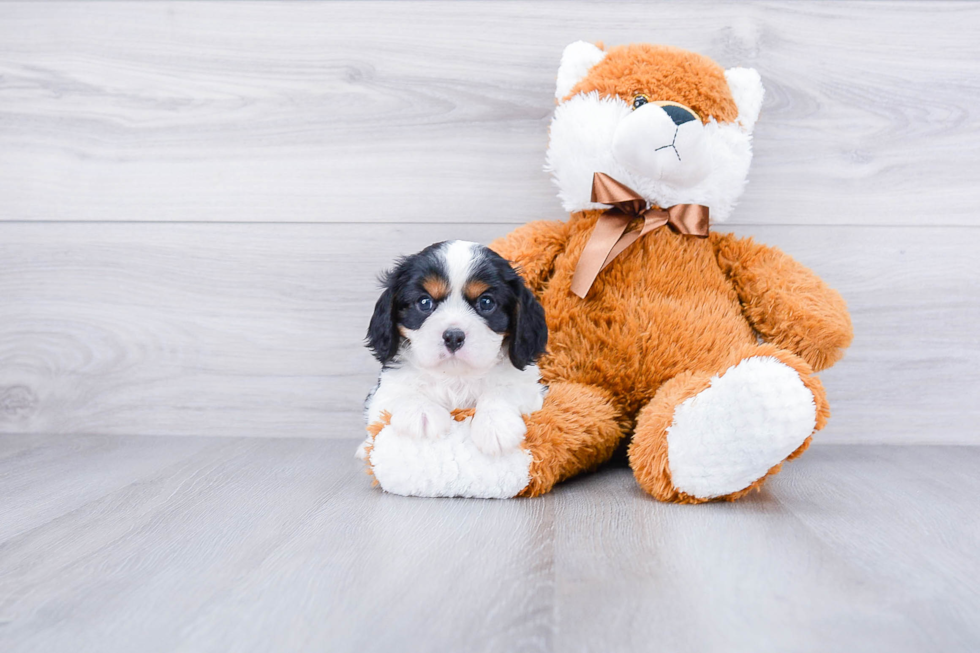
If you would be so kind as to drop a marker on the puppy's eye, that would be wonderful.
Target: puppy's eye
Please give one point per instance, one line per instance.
(486, 304)
(639, 101)
(425, 303)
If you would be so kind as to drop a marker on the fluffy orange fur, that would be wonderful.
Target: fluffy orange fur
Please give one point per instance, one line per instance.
(666, 315)
(662, 73)
(801, 314)
(577, 429)
(373, 429)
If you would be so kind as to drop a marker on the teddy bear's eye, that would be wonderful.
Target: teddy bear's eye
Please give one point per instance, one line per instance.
(639, 101)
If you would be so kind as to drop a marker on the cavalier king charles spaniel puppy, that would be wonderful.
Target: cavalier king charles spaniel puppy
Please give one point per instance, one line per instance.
(457, 328)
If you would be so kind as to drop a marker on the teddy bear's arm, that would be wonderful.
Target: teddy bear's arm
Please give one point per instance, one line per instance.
(533, 248)
(786, 303)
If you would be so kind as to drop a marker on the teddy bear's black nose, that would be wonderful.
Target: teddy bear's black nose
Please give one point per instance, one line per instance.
(679, 115)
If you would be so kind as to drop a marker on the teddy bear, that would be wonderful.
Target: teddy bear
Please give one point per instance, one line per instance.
(693, 350)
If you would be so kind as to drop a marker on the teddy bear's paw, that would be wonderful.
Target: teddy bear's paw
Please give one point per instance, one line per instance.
(421, 420)
(497, 430)
(732, 433)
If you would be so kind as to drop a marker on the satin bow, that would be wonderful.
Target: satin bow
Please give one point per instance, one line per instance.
(609, 236)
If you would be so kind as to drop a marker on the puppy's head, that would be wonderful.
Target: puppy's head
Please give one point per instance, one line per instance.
(459, 307)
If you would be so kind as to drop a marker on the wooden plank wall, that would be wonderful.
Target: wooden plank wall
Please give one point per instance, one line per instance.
(195, 197)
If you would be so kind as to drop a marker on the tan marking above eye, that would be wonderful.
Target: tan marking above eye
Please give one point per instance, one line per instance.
(437, 287)
(474, 289)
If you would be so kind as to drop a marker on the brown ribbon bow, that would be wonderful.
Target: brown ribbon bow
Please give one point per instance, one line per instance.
(609, 236)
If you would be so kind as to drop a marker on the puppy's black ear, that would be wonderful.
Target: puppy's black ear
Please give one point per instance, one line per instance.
(382, 336)
(528, 328)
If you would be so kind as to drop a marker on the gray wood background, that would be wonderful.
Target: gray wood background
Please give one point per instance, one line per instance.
(195, 197)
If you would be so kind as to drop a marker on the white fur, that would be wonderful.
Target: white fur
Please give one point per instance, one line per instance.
(415, 395)
(458, 461)
(576, 60)
(730, 434)
(458, 255)
(651, 146)
(748, 92)
(451, 466)
(583, 136)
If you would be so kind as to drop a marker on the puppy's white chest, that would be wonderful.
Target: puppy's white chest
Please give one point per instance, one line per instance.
(452, 393)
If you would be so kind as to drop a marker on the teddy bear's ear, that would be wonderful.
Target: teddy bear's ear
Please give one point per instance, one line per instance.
(746, 87)
(576, 61)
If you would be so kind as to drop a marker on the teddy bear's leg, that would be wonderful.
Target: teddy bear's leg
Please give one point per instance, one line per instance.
(575, 431)
(717, 435)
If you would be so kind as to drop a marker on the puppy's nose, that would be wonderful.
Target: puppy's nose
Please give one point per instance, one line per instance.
(453, 338)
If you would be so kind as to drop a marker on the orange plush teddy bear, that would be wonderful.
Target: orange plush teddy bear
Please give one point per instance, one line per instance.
(698, 346)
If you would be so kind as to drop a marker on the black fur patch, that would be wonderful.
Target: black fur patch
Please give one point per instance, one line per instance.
(518, 312)
(398, 304)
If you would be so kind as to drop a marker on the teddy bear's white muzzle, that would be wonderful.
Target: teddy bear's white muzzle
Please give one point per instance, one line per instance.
(649, 144)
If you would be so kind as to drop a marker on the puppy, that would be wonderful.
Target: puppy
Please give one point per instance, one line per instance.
(457, 328)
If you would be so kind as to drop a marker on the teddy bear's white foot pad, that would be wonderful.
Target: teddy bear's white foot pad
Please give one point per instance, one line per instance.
(450, 466)
(729, 435)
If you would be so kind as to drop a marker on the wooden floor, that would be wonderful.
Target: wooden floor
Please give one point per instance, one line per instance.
(253, 544)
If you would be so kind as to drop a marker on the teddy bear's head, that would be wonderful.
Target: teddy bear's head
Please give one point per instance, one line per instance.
(670, 124)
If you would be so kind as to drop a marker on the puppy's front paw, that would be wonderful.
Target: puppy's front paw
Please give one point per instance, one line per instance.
(422, 420)
(496, 431)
